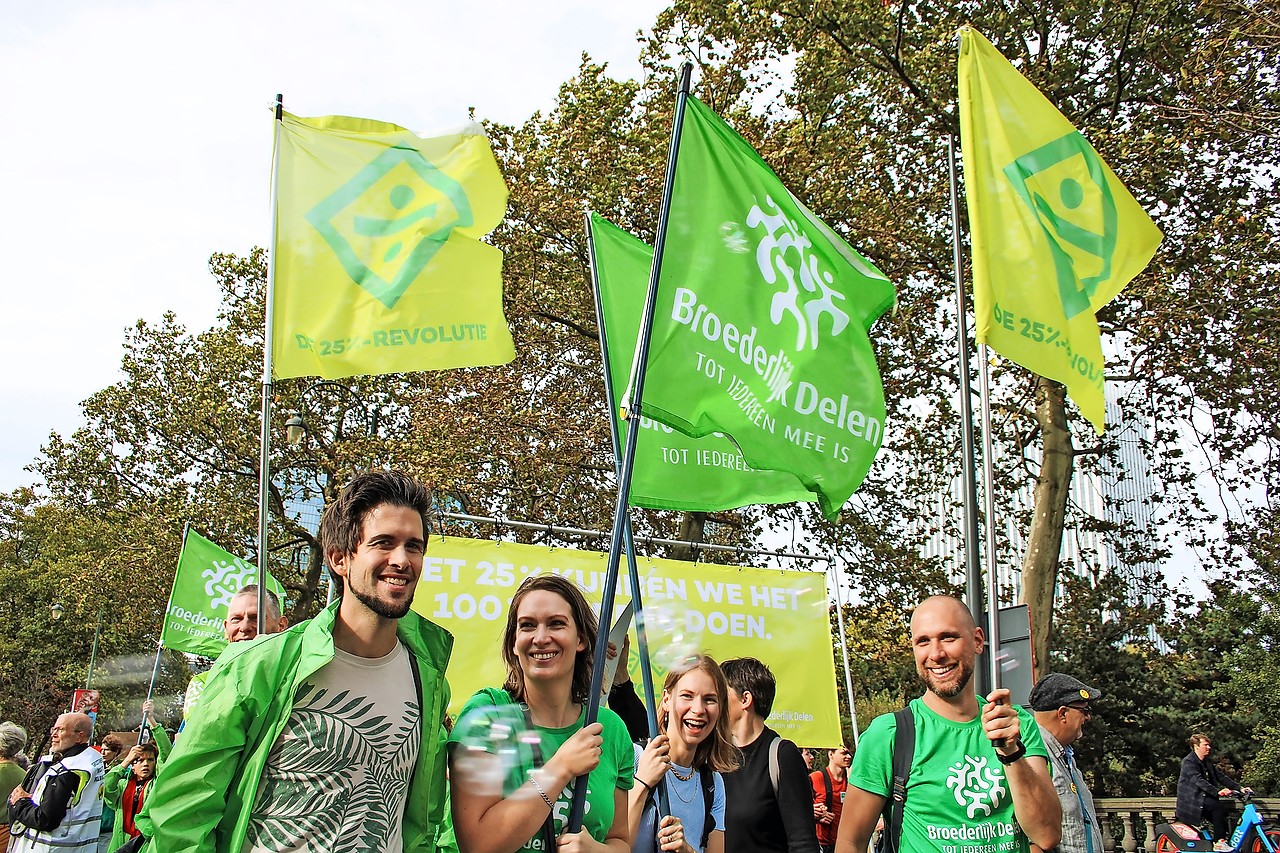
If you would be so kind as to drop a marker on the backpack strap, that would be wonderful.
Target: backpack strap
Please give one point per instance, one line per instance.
(904, 749)
(826, 783)
(708, 779)
(774, 772)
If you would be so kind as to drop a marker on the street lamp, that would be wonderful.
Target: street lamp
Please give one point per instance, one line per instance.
(296, 427)
(56, 611)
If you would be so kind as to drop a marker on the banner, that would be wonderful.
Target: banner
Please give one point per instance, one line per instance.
(1055, 234)
(378, 262)
(206, 579)
(672, 470)
(727, 611)
(760, 328)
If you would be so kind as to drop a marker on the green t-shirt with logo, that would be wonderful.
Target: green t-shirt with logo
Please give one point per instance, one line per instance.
(615, 771)
(958, 800)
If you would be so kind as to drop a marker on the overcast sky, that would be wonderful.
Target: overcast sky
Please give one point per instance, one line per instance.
(137, 142)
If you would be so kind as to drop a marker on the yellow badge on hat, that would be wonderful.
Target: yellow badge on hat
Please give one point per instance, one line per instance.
(1084, 694)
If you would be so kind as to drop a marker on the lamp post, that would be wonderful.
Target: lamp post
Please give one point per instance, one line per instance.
(350, 404)
(93, 653)
(297, 429)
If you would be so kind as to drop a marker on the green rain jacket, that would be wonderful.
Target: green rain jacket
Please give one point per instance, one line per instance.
(203, 799)
(117, 778)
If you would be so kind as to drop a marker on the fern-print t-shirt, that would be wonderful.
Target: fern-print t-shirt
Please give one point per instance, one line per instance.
(338, 774)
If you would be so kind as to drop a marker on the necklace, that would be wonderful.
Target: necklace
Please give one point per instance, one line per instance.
(676, 773)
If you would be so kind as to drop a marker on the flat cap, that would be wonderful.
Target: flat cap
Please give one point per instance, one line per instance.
(1058, 689)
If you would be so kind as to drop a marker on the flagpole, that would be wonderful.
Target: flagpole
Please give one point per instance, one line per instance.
(620, 514)
(264, 447)
(972, 561)
(646, 671)
(844, 651)
(642, 639)
(993, 588)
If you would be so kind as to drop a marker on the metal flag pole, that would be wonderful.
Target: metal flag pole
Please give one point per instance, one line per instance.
(620, 514)
(642, 639)
(264, 447)
(646, 671)
(988, 470)
(844, 650)
(972, 560)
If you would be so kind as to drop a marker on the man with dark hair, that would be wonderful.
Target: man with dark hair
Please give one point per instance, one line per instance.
(329, 734)
(1202, 791)
(768, 801)
(829, 788)
(58, 806)
(962, 791)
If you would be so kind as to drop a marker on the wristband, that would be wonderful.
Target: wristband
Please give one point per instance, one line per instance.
(1020, 751)
(642, 782)
(541, 792)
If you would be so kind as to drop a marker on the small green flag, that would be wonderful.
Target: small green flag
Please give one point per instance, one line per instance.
(672, 470)
(760, 328)
(206, 579)
(1055, 234)
(379, 267)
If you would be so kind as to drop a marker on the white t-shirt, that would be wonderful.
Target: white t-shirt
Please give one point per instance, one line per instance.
(338, 775)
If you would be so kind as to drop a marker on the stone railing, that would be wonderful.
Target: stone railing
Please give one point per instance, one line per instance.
(1133, 822)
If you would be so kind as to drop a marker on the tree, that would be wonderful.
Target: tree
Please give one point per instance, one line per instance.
(852, 103)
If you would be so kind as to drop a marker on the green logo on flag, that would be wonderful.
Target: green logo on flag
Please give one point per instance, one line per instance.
(785, 253)
(206, 580)
(387, 223)
(1065, 185)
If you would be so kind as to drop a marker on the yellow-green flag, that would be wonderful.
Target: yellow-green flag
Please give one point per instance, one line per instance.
(1055, 234)
(379, 266)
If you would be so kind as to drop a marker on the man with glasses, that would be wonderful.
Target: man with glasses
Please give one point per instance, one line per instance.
(1061, 706)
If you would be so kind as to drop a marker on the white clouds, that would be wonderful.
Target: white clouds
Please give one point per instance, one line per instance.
(137, 140)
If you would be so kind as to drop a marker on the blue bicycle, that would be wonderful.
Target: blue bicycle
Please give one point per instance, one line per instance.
(1251, 833)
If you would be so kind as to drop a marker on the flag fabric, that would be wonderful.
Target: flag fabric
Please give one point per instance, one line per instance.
(760, 326)
(379, 266)
(672, 470)
(1055, 234)
(206, 579)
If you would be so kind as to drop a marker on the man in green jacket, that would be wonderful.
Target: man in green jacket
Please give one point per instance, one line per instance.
(327, 736)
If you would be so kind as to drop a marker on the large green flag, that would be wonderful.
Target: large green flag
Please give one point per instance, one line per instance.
(672, 470)
(761, 321)
(206, 579)
(1055, 233)
(378, 262)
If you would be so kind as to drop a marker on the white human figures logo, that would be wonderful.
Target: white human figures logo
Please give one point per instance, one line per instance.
(224, 579)
(977, 787)
(785, 252)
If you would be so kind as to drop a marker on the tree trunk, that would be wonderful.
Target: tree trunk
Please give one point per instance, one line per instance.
(1044, 540)
(692, 526)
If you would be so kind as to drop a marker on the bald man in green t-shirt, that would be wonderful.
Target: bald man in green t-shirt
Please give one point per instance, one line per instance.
(964, 795)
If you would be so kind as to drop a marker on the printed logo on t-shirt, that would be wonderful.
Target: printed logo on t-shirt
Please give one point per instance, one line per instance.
(977, 786)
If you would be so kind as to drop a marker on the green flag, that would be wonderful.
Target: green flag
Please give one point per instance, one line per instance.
(206, 579)
(760, 327)
(1055, 234)
(672, 470)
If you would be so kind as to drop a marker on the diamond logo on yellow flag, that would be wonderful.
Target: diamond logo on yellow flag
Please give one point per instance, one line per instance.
(379, 260)
(388, 222)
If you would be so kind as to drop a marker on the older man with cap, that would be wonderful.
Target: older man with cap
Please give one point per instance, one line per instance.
(1061, 707)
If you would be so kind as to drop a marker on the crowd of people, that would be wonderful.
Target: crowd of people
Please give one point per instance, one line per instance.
(332, 734)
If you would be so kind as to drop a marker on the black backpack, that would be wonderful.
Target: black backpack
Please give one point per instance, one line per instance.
(904, 750)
